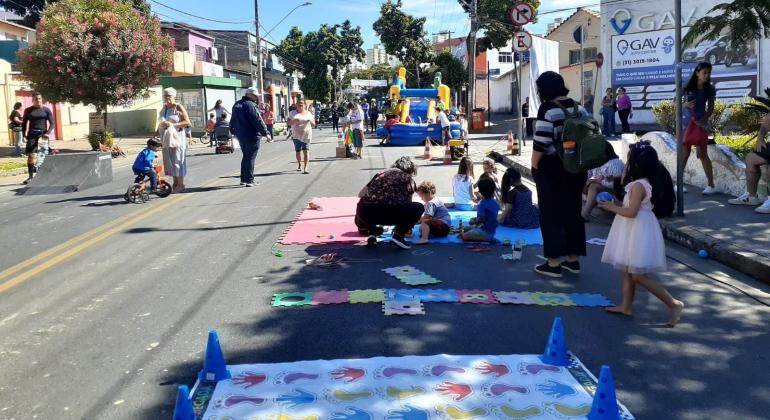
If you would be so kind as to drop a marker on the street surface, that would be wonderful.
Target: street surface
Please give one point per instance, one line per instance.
(105, 306)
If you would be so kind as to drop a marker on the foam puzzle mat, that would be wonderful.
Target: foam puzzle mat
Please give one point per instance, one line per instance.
(403, 388)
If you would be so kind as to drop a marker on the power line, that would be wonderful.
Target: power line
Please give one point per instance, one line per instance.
(201, 17)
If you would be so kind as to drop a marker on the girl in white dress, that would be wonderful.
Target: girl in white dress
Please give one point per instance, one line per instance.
(635, 244)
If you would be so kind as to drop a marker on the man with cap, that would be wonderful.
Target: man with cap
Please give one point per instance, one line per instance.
(247, 125)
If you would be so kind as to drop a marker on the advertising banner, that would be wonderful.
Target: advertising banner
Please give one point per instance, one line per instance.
(644, 63)
(369, 83)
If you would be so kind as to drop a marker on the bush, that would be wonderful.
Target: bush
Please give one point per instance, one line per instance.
(746, 118)
(95, 139)
(740, 145)
(665, 116)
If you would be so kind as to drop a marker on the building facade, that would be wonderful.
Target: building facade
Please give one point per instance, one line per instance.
(377, 55)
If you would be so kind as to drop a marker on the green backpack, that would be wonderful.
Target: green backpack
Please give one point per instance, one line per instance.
(582, 145)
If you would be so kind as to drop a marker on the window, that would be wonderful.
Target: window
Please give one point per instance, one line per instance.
(10, 37)
(505, 57)
(588, 79)
(201, 53)
(589, 54)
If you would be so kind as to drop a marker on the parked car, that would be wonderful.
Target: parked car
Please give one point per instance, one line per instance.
(326, 115)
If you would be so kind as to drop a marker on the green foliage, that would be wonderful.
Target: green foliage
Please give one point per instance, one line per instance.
(95, 139)
(665, 116)
(403, 35)
(96, 52)
(745, 118)
(742, 21)
(453, 72)
(322, 54)
(740, 145)
(32, 10)
(494, 20)
(9, 166)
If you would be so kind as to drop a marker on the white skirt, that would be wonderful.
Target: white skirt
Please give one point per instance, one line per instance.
(635, 245)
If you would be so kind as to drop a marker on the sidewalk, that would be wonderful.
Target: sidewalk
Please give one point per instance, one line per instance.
(735, 236)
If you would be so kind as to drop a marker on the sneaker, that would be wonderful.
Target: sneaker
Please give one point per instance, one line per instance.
(764, 208)
(250, 184)
(547, 270)
(242, 184)
(400, 242)
(26, 181)
(709, 191)
(745, 200)
(571, 266)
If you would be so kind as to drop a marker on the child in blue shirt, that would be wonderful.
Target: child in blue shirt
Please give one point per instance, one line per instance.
(143, 165)
(484, 225)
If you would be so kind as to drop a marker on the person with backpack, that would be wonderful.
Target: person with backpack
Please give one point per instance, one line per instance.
(559, 192)
(635, 244)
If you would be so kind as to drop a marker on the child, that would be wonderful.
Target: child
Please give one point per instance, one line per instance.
(635, 243)
(462, 185)
(698, 109)
(518, 210)
(485, 222)
(490, 172)
(606, 178)
(443, 119)
(144, 164)
(463, 126)
(436, 220)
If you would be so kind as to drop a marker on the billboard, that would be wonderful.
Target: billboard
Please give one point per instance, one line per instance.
(644, 64)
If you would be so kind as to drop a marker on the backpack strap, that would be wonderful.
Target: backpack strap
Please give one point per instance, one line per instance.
(575, 110)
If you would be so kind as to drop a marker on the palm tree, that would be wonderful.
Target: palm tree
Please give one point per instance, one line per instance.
(759, 107)
(744, 21)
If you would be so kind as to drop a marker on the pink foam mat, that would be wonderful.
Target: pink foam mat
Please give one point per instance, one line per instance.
(333, 210)
(302, 232)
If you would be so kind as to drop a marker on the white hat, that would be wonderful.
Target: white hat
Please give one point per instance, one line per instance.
(252, 91)
(169, 91)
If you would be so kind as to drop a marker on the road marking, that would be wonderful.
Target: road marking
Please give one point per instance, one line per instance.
(64, 251)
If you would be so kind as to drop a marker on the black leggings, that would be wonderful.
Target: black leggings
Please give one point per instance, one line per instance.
(560, 198)
(373, 121)
(623, 115)
(335, 124)
(403, 216)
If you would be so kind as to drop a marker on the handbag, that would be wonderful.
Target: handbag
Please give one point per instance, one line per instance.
(171, 139)
(695, 134)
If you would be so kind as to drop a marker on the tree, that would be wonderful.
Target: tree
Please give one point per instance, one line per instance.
(403, 35)
(453, 72)
(96, 52)
(32, 10)
(743, 21)
(494, 19)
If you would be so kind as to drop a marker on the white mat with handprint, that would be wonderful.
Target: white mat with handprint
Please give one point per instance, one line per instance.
(402, 388)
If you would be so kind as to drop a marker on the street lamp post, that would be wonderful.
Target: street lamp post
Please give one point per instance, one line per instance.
(259, 38)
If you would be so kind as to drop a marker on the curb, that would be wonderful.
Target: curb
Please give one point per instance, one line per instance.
(676, 230)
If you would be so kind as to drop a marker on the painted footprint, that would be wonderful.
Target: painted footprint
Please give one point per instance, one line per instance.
(452, 412)
(439, 370)
(403, 394)
(508, 412)
(233, 400)
(567, 411)
(288, 378)
(340, 395)
(536, 368)
(496, 390)
(286, 417)
(391, 371)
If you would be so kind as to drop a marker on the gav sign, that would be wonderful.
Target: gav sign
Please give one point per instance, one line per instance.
(622, 20)
(647, 45)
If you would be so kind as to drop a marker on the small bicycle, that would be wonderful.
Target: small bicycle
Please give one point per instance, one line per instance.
(139, 192)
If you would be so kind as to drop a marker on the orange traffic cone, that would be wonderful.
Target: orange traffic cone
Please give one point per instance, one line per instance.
(447, 156)
(427, 155)
(510, 141)
(516, 148)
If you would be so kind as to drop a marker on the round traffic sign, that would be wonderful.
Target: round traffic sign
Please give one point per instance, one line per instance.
(599, 60)
(522, 14)
(522, 41)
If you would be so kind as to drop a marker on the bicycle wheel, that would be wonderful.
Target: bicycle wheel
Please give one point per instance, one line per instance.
(134, 193)
(164, 189)
(204, 139)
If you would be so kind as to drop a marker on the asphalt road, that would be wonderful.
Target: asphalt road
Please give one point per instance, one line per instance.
(112, 308)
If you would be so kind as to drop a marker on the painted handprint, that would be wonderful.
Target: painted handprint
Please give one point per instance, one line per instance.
(496, 390)
(348, 374)
(489, 369)
(351, 413)
(407, 412)
(452, 412)
(232, 400)
(439, 370)
(556, 389)
(402, 394)
(298, 397)
(391, 371)
(536, 368)
(289, 377)
(249, 379)
(458, 391)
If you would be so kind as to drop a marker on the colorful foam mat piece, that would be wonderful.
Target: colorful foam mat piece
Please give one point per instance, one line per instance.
(411, 276)
(411, 387)
(403, 308)
(477, 296)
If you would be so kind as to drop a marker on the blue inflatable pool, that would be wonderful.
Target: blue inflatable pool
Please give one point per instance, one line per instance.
(415, 134)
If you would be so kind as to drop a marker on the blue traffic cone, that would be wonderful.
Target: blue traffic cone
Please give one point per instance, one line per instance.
(214, 366)
(605, 405)
(555, 350)
(183, 410)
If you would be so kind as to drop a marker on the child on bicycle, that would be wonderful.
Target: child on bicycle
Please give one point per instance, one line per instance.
(144, 164)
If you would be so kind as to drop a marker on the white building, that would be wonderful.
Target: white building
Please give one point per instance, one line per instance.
(637, 40)
(439, 38)
(377, 55)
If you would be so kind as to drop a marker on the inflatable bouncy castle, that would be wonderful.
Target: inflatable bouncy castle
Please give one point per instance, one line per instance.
(416, 112)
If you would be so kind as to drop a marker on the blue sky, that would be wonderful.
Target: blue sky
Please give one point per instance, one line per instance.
(441, 15)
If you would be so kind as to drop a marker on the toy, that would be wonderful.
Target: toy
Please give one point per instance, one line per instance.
(139, 192)
(603, 196)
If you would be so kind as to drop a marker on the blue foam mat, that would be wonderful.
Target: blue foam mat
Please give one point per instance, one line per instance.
(530, 236)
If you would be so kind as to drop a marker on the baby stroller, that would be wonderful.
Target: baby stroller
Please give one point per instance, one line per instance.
(223, 140)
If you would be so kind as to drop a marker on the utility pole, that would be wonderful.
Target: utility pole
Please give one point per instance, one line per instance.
(472, 59)
(582, 60)
(225, 53)
(449, 34)
(259, 48)
(678, 108)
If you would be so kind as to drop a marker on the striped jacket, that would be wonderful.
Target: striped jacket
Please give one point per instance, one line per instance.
(549, 125)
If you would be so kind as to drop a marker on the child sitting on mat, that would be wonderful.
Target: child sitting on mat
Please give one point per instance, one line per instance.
(518, 210)
(484, 225)
(490, 171)
(462, 185)
(435, 221)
